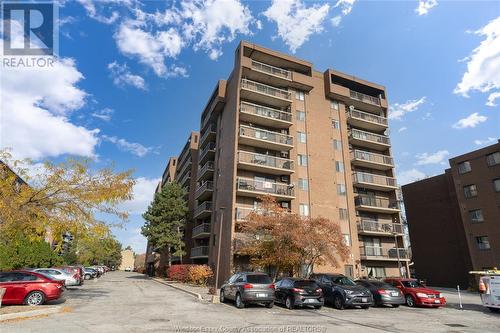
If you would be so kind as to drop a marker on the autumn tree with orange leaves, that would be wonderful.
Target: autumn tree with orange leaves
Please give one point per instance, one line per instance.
(275, 238)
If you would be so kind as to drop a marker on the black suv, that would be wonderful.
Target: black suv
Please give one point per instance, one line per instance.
(342, 292)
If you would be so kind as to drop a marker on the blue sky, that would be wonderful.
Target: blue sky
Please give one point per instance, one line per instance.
(134, 76)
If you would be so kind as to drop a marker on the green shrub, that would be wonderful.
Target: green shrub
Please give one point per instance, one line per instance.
(21, 252)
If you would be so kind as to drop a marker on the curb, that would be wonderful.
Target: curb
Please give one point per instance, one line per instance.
(29, 314)
(179, 288)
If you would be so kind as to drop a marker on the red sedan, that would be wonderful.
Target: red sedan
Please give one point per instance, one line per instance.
(417, 294)
(30, 288)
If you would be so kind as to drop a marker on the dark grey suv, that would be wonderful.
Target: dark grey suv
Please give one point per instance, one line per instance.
(248, 287)
(342, 292)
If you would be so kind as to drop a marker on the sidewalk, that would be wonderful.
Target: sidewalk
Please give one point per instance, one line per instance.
(470, 300)
(21, 311)
(196, 291)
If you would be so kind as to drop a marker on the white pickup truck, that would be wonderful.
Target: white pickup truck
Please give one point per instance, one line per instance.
(489, 289)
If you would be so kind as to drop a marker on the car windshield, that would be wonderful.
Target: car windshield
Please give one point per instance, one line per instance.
(258, 279)
(305, 284)
(343, 280)
(412, 284)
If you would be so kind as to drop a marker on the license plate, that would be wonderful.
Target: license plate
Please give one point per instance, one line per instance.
(309, 300)
(394, 294)
(364, 299)
(437, 301)
(261, 295)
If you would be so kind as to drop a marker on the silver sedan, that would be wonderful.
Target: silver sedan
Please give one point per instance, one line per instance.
(59, 274)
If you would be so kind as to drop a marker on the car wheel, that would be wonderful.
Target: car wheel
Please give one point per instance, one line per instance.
(34, 298)
(365, 307)
(289, 303)
(87, 276)
(222, 297)
(495, 310)
(395, 305)
(269, 305)
(318, 307)
(410, 301)
(239, 302)
(338, 303)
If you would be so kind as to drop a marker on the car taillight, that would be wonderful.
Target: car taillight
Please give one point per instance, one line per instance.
(297, 290)
(382, 291)
(271, 286)
(319, 290)
(247, 286)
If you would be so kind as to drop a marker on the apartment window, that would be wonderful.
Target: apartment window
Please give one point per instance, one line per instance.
(335, 124)
(304, 210)
(301, 136)
(337, 145)
(483, 243)
(349, 271)
(343, 214)
(470, 191)
(339, 166)
(341, 189)
(347, 239)
(493, 159)
(464, 167)
(299, 95)
(375, 272)
(496, 184)
(334, 105)
(302, 159)
(476, 215)
(301, 115)
(303, 184)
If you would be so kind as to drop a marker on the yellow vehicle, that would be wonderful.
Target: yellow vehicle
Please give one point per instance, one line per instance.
(489, 288)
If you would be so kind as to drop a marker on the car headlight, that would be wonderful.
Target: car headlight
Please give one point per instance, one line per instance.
(349, 292)
(421, 295)
(440, 295)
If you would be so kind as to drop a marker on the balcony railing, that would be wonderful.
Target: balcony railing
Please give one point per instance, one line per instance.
(266, 90)
(372, 137)
(208, 131)
(209, 166)
(241, 213)
(265, 187)
(204, 206)
(209, 147)
(356, 114)
(186, 166)
(207, 185)
(264, 160)
(261, 134)
(383, 253)
(364, 177)
(199, 251)
(368, 200)
(264, 111)
(378, 227)
(203, 228)
(365, 98)
(276, 71)
(183, 180)
(372, 157)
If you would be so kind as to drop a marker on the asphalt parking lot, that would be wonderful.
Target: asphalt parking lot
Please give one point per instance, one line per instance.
(130, 302)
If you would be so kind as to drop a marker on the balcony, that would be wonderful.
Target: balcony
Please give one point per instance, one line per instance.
(262, 93)
(371, 160)
(257, 137)
(184, 181)
(380, 253)
(183, 169)
(208, 153)
(203, 210)
(366, 120)
(264, 163)
(204, 191)
(374, 204)
(365, 98)
(271, 70)
(369, 140)
(241, 213)
(199, 252)
(202, 231)
(374, 182)
(372, 227)
(207, 171)
(262, 115)
(254, 188)
(208, 134)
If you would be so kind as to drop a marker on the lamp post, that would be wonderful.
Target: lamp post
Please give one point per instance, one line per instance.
(219, 246)
(397, 252)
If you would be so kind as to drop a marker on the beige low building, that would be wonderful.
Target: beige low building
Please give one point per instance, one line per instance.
(128, 260)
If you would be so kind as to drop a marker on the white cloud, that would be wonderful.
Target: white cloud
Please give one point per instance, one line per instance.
(122, 76)
(409, 176)
(95, 12)
(424, 6)
(104, 114)
(471, 121)
(143, 194)
(485, 142)
(398, 111)
(345, 5)
(336, 20)
(136, 240)
(36, 105)
(402, 129)
(432, 158)
(296, 22)
(132, 147)
(483, 67)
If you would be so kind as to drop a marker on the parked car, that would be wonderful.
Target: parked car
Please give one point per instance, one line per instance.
(293, 292)
(416, 293)
(30, 288)
(75, 272)
(128, 269)
(343, 292)
(89, 273)
(383, 293)
(248, 287)
(58, 274)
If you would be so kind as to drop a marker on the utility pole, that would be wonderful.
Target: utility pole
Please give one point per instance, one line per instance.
(397, 251)
(219, 246)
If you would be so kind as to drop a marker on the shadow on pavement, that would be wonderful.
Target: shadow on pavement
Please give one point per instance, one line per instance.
(139, 277)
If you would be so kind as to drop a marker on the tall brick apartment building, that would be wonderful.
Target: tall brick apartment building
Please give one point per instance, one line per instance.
(316, 141)
(454, 219)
